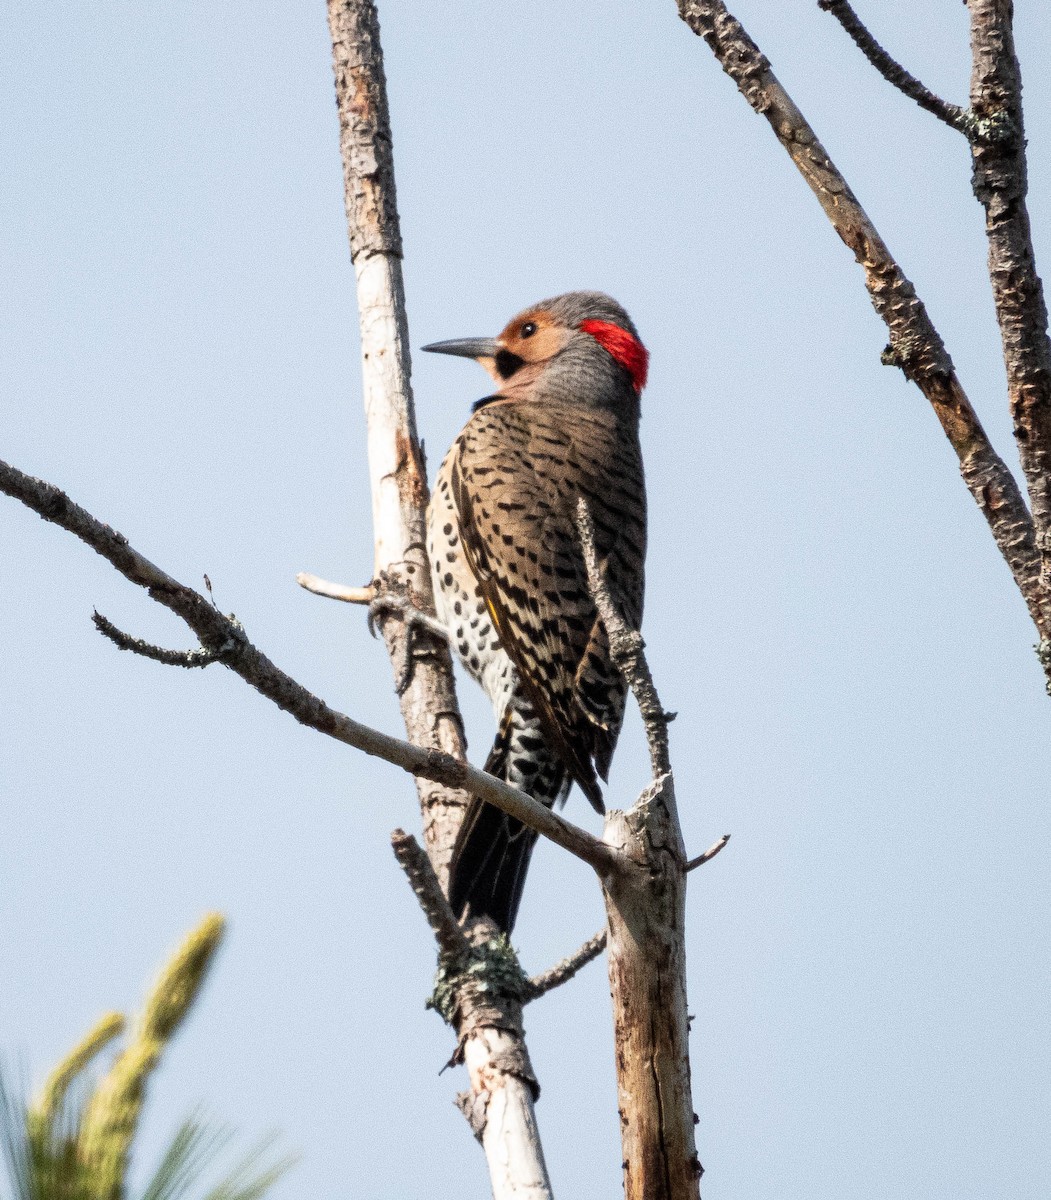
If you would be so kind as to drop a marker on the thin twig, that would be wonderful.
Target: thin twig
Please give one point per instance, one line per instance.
(336, 591)
(417, 866)
(564, 971)
(626, 648)
(224, 637)
(200, 657)
(708, 855)
(894, 73)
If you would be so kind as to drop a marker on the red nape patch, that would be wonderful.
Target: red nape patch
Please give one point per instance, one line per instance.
(627, 350)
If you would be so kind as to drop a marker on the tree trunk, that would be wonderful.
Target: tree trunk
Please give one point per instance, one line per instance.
(646, 906)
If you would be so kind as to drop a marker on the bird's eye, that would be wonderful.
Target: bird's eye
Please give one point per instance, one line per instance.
(527, 330)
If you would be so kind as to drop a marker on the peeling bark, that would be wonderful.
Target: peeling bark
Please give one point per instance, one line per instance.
(645, 905)
(1000, 184)
(645, 894)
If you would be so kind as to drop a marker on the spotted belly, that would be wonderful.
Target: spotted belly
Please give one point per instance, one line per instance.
(459, 605)
(492, 852)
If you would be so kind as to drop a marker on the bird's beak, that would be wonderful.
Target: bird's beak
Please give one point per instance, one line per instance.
(467, 347)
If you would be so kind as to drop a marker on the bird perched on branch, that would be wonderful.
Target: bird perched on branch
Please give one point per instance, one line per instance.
(509, 577)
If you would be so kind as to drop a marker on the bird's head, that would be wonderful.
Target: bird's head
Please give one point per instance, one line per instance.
(580, 347)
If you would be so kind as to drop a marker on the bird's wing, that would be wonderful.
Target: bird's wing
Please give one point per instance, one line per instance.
(517, 474)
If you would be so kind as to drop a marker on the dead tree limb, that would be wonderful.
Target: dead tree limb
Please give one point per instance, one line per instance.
(709, 854)
(893, 72)
(424, 883)
(1000, 182)
(915, 345)
(493, 1043)
(397, 474)
(335, 591)
(627, 649)
(223, 638)
(564, 971)
(170, 658)
(646, 911)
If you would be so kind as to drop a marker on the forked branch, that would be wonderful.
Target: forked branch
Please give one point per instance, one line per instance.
(915, 345)
(201, 657)
(223, 637)
(894, 73)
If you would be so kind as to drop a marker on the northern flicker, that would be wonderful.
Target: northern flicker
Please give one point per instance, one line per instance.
(509, 577)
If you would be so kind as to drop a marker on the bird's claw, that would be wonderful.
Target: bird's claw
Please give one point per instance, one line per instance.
(388, 603)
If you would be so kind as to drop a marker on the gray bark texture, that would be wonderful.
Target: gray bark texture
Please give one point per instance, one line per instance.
(645, 894)
(1000, 184)
(915, 345)
(646, 907)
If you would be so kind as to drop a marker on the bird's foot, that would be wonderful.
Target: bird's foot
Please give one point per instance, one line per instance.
(390, 602)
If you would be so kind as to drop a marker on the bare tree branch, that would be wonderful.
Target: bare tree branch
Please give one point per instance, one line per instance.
(646, 960)
(952, 114)
(440, 917)
(171, 658)
(224, 637)
(500, 1107)
(646, 911)
(915, 345)
(626, 648)
(1000, 184)
(562, 972)
(336, 591)
(397, 475)
(708, 855)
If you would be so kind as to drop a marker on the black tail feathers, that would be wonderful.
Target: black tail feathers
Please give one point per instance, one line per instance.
(491, 856)
(489, 864)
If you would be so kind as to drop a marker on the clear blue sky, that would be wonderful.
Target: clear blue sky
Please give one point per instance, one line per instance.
(859, 702)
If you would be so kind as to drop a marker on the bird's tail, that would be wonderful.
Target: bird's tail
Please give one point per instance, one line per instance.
(492, 851)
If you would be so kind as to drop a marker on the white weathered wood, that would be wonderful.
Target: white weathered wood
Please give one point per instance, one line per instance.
(646, 914)
(399, 498)
(510, 1137)
(335, 591)
(387, 396)
(646, 907)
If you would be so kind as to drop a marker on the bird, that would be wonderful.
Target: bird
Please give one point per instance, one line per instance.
(509, 576)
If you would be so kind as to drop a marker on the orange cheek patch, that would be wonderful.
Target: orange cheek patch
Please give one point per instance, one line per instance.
(623, 347)
(538, 347)
(544, 344)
